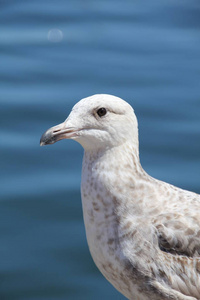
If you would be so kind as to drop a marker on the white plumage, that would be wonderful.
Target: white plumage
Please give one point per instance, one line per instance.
(143, 234)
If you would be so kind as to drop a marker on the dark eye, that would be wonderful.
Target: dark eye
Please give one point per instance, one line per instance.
(101, 112)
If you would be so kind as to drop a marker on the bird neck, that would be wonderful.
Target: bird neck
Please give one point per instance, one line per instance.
(113, 168)
(126, 152)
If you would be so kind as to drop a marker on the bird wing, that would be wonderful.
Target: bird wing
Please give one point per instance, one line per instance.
(178, 234)
(179, 240)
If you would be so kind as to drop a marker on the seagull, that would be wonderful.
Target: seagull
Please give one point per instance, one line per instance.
(143, 234)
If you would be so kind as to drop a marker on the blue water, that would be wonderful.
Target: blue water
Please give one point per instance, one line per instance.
(148, 53)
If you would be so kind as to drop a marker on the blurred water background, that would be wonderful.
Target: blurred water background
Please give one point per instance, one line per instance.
(52, 54)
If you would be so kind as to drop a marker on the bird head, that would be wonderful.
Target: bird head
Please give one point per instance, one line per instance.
(97, 122)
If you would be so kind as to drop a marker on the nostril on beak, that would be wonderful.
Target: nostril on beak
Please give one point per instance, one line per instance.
(56, 130)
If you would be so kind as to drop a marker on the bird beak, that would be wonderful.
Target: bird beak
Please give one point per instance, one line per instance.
(57, 133)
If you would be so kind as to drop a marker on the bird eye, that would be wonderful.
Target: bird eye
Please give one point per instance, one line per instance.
(101, 112)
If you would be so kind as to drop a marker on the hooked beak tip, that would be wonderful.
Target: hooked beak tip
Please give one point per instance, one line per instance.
(42, 143)
(47, 138)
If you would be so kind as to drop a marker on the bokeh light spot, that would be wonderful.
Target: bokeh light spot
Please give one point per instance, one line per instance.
(55, 35)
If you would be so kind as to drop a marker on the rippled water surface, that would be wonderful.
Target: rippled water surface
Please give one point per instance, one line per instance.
(53, 53)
